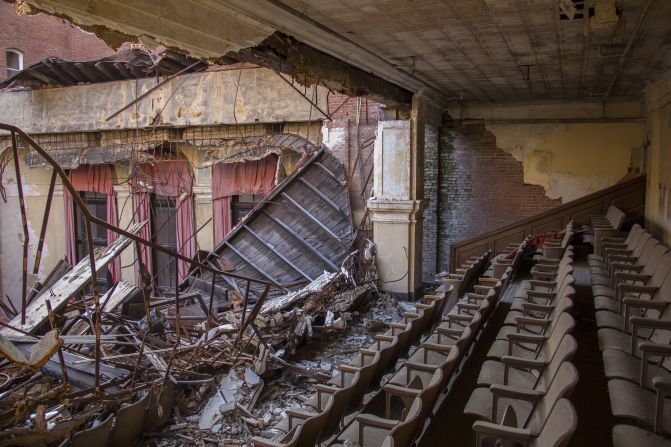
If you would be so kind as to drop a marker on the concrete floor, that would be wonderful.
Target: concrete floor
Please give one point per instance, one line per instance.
(451, 427)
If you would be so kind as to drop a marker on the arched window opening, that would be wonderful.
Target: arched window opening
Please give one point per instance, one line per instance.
(14, 60)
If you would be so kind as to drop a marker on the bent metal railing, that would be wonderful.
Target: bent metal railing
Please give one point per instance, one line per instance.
(628, 195)
(90, 219)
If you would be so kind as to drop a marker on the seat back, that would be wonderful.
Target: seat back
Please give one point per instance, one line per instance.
(652, 264)
(97, 435)
(562, 386)
(128, 423)
(404, 341)
(564, 353)
(647, 251)
(634, 234)
(466, 337)
(311, 430)
(449, 365)
(369, 366)
(387, 350)
(565, 324)
(404, 432)
(662, 268)
(338, 408)
(559, 428)
(565, 304)
(640, 245)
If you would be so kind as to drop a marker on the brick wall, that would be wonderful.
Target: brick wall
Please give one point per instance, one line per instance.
(340, 135)
(481, 187)
(40, 36)
(430, 247)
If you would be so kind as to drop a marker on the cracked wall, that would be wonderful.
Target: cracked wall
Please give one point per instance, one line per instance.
(572, 160)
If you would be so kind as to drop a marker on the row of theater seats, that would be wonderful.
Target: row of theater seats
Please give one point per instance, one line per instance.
(434, 366)
(524, 385)
(323, 415)
(607, 225)
(631, 284)
(554, 249)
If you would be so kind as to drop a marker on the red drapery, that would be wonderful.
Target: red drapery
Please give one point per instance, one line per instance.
(99, 179)
(229, 179)
(166, 178)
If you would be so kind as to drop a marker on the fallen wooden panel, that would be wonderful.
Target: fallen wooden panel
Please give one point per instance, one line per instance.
(301, 229)
(117, 295)
(67, 286)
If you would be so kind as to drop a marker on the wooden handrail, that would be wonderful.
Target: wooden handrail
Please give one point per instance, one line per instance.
(628, 195)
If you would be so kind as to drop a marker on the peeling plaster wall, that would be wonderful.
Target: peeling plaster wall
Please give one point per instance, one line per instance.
(658, 127)
(245, 96)
(572, 160)
(35, 189)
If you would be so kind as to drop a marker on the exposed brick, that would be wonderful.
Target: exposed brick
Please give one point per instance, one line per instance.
(40, 36)
(481, 188)
(343, 111)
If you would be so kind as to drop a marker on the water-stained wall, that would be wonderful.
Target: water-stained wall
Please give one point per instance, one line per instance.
(658, 128)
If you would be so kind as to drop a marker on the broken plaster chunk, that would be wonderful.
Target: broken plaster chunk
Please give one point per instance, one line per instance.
(226, 395)
(251, 378)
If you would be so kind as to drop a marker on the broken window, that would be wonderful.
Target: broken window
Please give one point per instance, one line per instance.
(164, 230)
(14, 59)
(242, 204)
(96, 203)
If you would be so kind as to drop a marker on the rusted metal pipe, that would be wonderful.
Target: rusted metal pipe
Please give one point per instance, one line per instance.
(45, 221)
(61, 359)
(24, 222)
(96, 300)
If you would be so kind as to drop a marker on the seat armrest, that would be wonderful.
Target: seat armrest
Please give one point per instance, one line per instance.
(539, 294)
(511, 392)
(518, 362)
(485, 430)
(626, 276)
(508, 392)
(370, 420)
(529, 321)
(526, 338)
(539, 307)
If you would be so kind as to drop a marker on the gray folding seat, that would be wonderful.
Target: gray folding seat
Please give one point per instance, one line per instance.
(633, 285)
(538, 421)
(528, 346)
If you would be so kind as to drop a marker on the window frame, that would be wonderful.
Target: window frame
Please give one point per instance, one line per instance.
(11, 71)
(80, 237)
(154, 201)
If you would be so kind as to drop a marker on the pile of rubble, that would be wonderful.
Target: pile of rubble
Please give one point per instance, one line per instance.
(220, 378)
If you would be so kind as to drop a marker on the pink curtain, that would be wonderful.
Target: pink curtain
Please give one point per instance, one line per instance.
(229, 179)
(99, 179)
(167, 178)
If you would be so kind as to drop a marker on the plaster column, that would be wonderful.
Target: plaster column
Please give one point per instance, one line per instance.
(124, 206)
(202, 204)
(398, 199)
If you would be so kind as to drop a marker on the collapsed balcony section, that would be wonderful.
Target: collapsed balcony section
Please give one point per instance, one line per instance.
(107, 335)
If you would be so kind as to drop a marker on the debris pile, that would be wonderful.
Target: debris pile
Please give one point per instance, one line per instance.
(216, 359)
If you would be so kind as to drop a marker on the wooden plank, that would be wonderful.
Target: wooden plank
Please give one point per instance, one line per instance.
(279, 255)
(250, 263)
(302, 241)
(313, 218)
(320, 194)
(67, 286)
(121, 292)
(328, 172)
